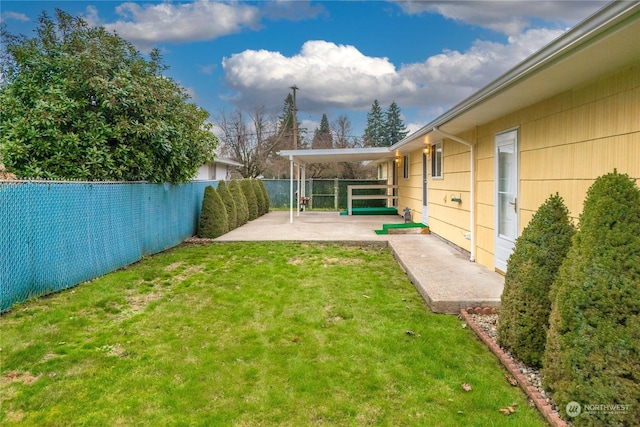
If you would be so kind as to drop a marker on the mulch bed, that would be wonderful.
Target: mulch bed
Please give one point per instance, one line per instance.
(483, 322)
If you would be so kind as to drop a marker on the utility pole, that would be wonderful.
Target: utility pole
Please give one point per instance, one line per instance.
(295, 119)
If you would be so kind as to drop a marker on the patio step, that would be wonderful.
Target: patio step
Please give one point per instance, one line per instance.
(372, 211)
(406, 228)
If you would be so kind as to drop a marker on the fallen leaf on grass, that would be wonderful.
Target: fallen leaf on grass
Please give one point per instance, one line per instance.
(464, 326)
(296, 339)
(511, 380)
(466, 387)
(508, 411)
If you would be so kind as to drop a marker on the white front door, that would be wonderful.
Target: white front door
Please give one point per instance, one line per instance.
(506, 197)
(425, 204)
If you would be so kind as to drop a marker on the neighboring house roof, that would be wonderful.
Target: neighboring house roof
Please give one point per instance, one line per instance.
(604, 42)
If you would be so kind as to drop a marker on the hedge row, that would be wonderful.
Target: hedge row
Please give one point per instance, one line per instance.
(589, 342)
(231, 205)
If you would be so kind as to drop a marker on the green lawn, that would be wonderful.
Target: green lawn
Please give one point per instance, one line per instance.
(249, 334)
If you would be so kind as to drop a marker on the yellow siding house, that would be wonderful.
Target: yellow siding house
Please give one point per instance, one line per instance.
(554, 123)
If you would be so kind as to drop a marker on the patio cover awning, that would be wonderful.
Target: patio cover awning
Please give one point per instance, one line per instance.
(301, 158)
(333, 155)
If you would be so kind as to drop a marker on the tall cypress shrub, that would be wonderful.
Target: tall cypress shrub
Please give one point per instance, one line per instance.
(252, 201)
(262, 203)
(213, 217)
(229, 204)
(241, 202)
(593, 346)
(265, 193)
(531, 270)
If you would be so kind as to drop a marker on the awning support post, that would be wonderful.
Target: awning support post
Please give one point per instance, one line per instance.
(290, 189)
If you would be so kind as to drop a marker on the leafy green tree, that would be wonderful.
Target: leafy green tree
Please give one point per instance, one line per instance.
(229, 203)
(374, 133)
(531, 270)
(213, 217)
(250, 195)
(79, 102)
(394, 128)
(593, 345)
(241, 202)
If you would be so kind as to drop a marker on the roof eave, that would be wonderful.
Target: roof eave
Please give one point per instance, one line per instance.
(589, 29)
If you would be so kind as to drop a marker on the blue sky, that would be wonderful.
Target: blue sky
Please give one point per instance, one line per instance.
(427, 56)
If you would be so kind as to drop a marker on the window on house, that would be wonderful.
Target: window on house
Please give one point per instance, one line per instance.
(380, 172)
(436, 160)
(405, 166)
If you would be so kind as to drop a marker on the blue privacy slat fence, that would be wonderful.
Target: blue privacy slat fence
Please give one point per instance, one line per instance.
(54, 235)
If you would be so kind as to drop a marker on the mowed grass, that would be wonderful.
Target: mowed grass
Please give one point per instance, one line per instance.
(249, 334)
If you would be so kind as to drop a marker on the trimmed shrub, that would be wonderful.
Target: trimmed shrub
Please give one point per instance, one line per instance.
(252, 201)
(262, 203)
(593, 346)
(531, 270)
(229, 204)
(213, 218)
(267, 202)
(241, 202)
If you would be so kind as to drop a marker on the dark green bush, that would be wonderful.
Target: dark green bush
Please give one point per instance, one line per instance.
(267, 202)
(213, 218)
(593, 345)
(531, 270)
(252, 200)
(241, 202)
(262, 203)
(229, 204)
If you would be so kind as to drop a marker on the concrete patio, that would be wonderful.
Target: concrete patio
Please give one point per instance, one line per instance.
(444, 276)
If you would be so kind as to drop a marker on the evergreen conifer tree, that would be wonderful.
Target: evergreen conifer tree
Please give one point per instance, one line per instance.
(213, 217)
(241, 202)
(250, 195)
(230, 205)
(394, 128)
(374, 133)
(592, 351)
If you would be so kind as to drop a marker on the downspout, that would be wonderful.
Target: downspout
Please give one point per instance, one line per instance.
(472, 212)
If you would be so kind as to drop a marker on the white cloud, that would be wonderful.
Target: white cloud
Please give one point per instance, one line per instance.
(508, 17)
(332, 76)
(13, 16)
(147, 24)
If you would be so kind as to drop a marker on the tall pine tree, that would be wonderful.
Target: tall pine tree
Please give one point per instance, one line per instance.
(285, 126)
(394, 128)
(322, 139)
(322, 136)
(374, 133)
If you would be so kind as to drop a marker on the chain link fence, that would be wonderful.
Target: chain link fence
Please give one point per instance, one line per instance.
(324, 193)
(54, 235)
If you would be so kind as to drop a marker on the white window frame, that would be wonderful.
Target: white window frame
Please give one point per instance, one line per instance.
(406, 166)
(437, 161)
